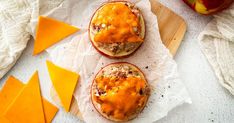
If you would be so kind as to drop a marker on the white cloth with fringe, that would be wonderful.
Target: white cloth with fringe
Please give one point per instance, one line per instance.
(217, 43)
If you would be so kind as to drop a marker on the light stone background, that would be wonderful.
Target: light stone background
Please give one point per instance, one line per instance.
(211, 102)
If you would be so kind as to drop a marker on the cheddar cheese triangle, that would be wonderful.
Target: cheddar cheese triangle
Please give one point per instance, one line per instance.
(49, 32)
(4, 120)
(64, 82)
(27, 106)
(49, 110)
(10, 91)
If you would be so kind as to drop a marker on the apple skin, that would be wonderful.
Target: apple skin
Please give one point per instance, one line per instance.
(208, 7)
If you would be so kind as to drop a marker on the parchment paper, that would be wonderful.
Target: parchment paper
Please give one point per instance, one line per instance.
(77, 54)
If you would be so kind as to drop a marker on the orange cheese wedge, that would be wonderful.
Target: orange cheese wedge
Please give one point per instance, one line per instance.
(64, 82)
(10, 91)
(49, 32)
(4, 120)
(27, 106)
(49, 110)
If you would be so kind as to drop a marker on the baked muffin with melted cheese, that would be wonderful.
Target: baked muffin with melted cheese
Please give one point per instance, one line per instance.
(119, 91)
(117, 29)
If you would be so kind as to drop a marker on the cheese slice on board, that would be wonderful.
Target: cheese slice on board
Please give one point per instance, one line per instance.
(49, 32)
(27, 106)
(9, 92)
(64, 82)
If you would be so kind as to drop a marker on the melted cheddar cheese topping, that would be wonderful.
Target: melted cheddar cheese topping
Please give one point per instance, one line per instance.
(118, 24)
(121, 97)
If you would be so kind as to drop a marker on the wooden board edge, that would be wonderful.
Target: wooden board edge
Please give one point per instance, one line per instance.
(159, 10)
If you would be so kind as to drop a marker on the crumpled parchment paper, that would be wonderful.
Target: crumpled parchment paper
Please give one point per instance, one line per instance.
(77, 54)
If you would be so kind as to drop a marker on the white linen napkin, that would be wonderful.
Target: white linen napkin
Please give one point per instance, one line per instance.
(14, 18)
(17, 17)
(217, 43)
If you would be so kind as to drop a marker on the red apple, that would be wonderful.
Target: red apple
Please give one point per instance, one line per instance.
(208, 6)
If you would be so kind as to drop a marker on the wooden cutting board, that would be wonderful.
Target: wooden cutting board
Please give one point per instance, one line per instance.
(172, 29)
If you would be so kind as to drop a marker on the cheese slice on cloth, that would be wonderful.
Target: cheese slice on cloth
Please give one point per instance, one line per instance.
(64, 82)
(27, 106)
(49, 32)
(9, 92)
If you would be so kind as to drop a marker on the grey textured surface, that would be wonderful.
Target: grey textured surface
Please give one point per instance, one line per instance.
(211, 102)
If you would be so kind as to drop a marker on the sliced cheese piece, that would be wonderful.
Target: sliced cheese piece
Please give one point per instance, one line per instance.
(64, 82)
(4, 120)
(49, 32)
(9, 92)
(27, 106)
(49, 110)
